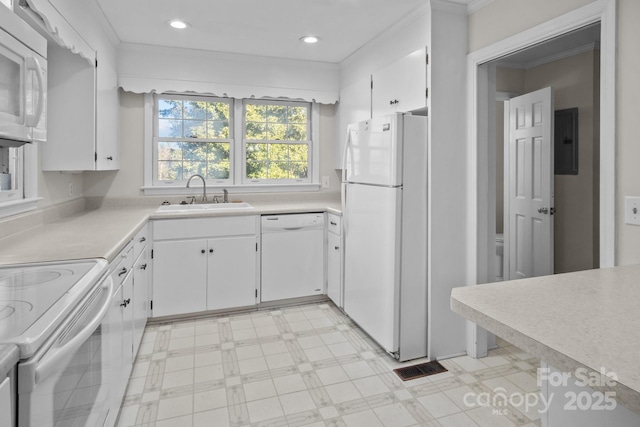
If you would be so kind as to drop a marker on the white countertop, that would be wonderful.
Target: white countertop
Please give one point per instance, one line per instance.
(102, 233)
(588, 319)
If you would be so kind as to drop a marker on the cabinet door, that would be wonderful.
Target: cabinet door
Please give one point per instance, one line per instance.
(355, 106)
(232, 272)
(179, 277)
(127, 328)
(113, 328)
(401, 86)
(107, 114)
(334, 269)
(140, 300)
(6, 403)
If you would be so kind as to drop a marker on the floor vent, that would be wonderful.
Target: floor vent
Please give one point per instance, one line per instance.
(421, 370)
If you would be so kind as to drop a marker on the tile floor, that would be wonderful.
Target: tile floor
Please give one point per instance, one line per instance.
(307, 366)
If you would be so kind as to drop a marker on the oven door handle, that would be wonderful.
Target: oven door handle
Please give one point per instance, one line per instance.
(52, 360)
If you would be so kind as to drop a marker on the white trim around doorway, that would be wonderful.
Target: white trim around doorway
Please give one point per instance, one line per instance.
(481, 245)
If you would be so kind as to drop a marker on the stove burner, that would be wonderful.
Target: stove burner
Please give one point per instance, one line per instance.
(7, 308)
(31, 278)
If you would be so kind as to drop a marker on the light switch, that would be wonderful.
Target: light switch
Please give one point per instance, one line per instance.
(632, 210)
(326, 183)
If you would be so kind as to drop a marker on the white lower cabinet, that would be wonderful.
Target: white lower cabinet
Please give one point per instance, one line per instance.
(127, 317)
(334, 259)
(214, 272)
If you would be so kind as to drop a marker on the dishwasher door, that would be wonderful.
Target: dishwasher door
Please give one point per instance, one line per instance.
(292, 256)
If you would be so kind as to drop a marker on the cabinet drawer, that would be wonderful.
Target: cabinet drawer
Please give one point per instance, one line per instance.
(140, 241)
(204, 227)
(121, 265)
(334, 224)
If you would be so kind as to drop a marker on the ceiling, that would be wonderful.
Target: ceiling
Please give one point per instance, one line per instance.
(259, 27)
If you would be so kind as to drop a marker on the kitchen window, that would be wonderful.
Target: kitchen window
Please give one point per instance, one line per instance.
(276, 141)
(193, 135)
(249, 145)
(18, 179)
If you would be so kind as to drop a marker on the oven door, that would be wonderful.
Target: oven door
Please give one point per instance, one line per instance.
(66, 382)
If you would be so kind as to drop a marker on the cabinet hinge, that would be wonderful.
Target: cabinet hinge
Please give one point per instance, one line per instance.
(371, 83)
(256, 293)
(151, 253)
(256, 246)
(96, 62)
(96, 156)
(427, 58)
(151, 304)
(426, 93)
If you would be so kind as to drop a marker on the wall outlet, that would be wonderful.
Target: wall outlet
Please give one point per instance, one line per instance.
(632, 210)
(71, 189)
(326, 182)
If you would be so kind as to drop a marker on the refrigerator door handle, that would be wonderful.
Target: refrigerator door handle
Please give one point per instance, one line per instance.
(345, 220)
(343, 193)
(344, 154)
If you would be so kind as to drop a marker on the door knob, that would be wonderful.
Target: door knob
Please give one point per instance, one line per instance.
(543, 210)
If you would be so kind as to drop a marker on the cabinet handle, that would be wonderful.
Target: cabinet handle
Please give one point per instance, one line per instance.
(202, 251)
(394, 101)
(125, 302)
(333, 223)
(336, 247)
(110, 158)
(210, 251)
(143, 239)
(143, 267)
(123, 271)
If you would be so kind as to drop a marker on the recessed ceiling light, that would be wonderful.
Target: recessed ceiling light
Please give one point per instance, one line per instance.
(176, 23)
(310, 39)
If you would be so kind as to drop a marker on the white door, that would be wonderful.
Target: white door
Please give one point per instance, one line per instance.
(530, 188)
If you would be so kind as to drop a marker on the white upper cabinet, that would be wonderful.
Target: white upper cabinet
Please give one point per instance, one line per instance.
(401, 86)
(83, 105)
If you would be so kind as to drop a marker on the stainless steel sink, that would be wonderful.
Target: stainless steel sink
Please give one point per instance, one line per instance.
(204, 207)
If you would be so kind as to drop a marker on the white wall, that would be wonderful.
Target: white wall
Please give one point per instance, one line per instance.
(504, 18)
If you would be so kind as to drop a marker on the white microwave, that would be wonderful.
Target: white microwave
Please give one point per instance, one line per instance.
(23, 82)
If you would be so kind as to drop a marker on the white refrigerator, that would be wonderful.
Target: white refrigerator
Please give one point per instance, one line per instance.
(384, 204)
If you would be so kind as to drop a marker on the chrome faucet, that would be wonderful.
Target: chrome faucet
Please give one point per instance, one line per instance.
(226, 196)
(204, 185)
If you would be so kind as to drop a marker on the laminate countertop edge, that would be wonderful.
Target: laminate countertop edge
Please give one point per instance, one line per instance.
(465, 303)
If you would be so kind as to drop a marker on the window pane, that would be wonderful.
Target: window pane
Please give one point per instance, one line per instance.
(169, 109)
(298, 153)
(255, 113)
(218, 152)
(191, 168)
(168, 128)
(169, 170)
(297, 115)
(169, 150)
(195, 110)
(298, 170)
(278, 152)
(256, 130)
(218, 111)
(278, 170)
(195, 129)
(194, 151)
(296, 133)
(277, 113)
(257, 152)
(218, 130)
(256, 170)
(276, 132)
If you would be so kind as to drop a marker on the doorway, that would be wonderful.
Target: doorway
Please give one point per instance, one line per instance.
(569, 65)
(481, 219)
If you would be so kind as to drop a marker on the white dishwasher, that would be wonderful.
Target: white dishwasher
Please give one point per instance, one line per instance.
(292, 256)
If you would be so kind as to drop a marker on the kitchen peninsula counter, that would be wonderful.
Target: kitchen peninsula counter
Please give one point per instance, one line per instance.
(588, 319)
(103, 232)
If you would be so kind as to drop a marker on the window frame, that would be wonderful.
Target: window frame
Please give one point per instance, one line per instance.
(237, 154)
(29, 188)
(308, 143)
(157, 139)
